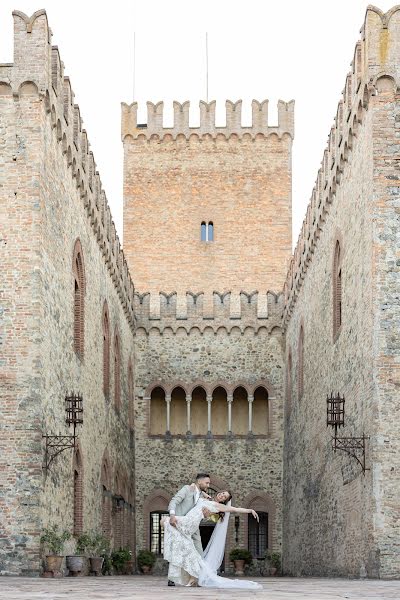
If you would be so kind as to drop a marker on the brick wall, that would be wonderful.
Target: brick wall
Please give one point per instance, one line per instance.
(54, 198)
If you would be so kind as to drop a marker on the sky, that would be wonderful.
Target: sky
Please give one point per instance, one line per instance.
(258, 49)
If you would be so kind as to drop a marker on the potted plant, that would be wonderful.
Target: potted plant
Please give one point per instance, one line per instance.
(120, 558)
(75, 561)
(54, 541)
(146, 560)
(240, 557)
(274, 559)
(98, 548)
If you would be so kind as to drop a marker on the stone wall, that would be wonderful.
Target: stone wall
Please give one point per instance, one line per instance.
(337, 521)
(202, 353)
(53, 198)
(237, 178)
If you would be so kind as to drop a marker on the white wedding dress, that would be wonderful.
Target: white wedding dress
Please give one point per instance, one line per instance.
(185, 561)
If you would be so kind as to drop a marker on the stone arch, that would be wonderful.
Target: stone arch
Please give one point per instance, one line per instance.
(157, 411)
(337, 284)
(77, 469)
(106, 332)
(300, 362)
(240, 409)
(261, 502)
(219, 410)
(106, 489)
(59, 130)
(198, 408)
(79, 291)
(28, 88)
(261, 411)
(5, 89)
(117, 371)
(178, 410)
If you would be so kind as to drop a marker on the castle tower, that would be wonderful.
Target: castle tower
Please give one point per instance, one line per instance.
(207, 208)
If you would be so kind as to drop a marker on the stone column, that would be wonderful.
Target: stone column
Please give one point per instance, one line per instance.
(188, 401)
(230, 400)
(209, 400)
(168, 401)
(250, 400)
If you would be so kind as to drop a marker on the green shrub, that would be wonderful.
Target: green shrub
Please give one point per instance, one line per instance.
(93, 544)
(241, 554)
(119, 558)
(54, 540)
(83, 543)
(146, 558)
(274, 558)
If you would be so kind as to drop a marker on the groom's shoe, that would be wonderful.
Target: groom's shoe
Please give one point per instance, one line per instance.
(171, 583)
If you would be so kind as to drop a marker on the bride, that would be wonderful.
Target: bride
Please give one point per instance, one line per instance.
(186, 566)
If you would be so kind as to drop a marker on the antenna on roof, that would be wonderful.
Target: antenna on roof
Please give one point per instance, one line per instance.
(207, 67)
(134, 65)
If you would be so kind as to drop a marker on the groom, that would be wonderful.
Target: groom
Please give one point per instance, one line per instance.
(185, 500)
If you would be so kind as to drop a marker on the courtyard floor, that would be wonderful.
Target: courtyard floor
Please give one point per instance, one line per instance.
(155, 588)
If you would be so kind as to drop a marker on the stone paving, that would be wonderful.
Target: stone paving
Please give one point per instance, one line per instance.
(151, 588)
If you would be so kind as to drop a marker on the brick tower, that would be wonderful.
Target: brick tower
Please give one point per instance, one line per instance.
(207, 208)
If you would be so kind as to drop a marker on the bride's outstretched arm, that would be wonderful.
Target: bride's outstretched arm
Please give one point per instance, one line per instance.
(225, 508)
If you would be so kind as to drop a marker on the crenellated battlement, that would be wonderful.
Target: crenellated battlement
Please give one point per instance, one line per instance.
(198, 311)
(375, 68)
(38, 72)
(154, 126)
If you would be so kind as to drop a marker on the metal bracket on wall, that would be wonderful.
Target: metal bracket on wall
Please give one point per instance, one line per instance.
(56, 444)
(353, 446)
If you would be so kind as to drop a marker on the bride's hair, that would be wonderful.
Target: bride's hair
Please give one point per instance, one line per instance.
(222, 514)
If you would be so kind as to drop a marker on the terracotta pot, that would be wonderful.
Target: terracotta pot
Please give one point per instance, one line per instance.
(128, 570)
(53, 563)
(74, 564)
(146, 569)
(96, 564)
(273, 571)
(239, 567)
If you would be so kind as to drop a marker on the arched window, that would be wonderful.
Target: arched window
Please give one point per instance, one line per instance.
(154, 507)
(207, 231)
(210, 232)
(158, 412)
(78, 493)
(178, 411)
(198, 412)
(79, 299)
(261, 424)
(117, 512)
(337, 291)
(300, 365)
(131, 415)
(258, 535)
(289, 383)
(117, 373)
(106, 351)
(219, 412)
(240, 412)
(106, 497)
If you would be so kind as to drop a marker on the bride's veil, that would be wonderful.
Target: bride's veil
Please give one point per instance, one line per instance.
(214, 553)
